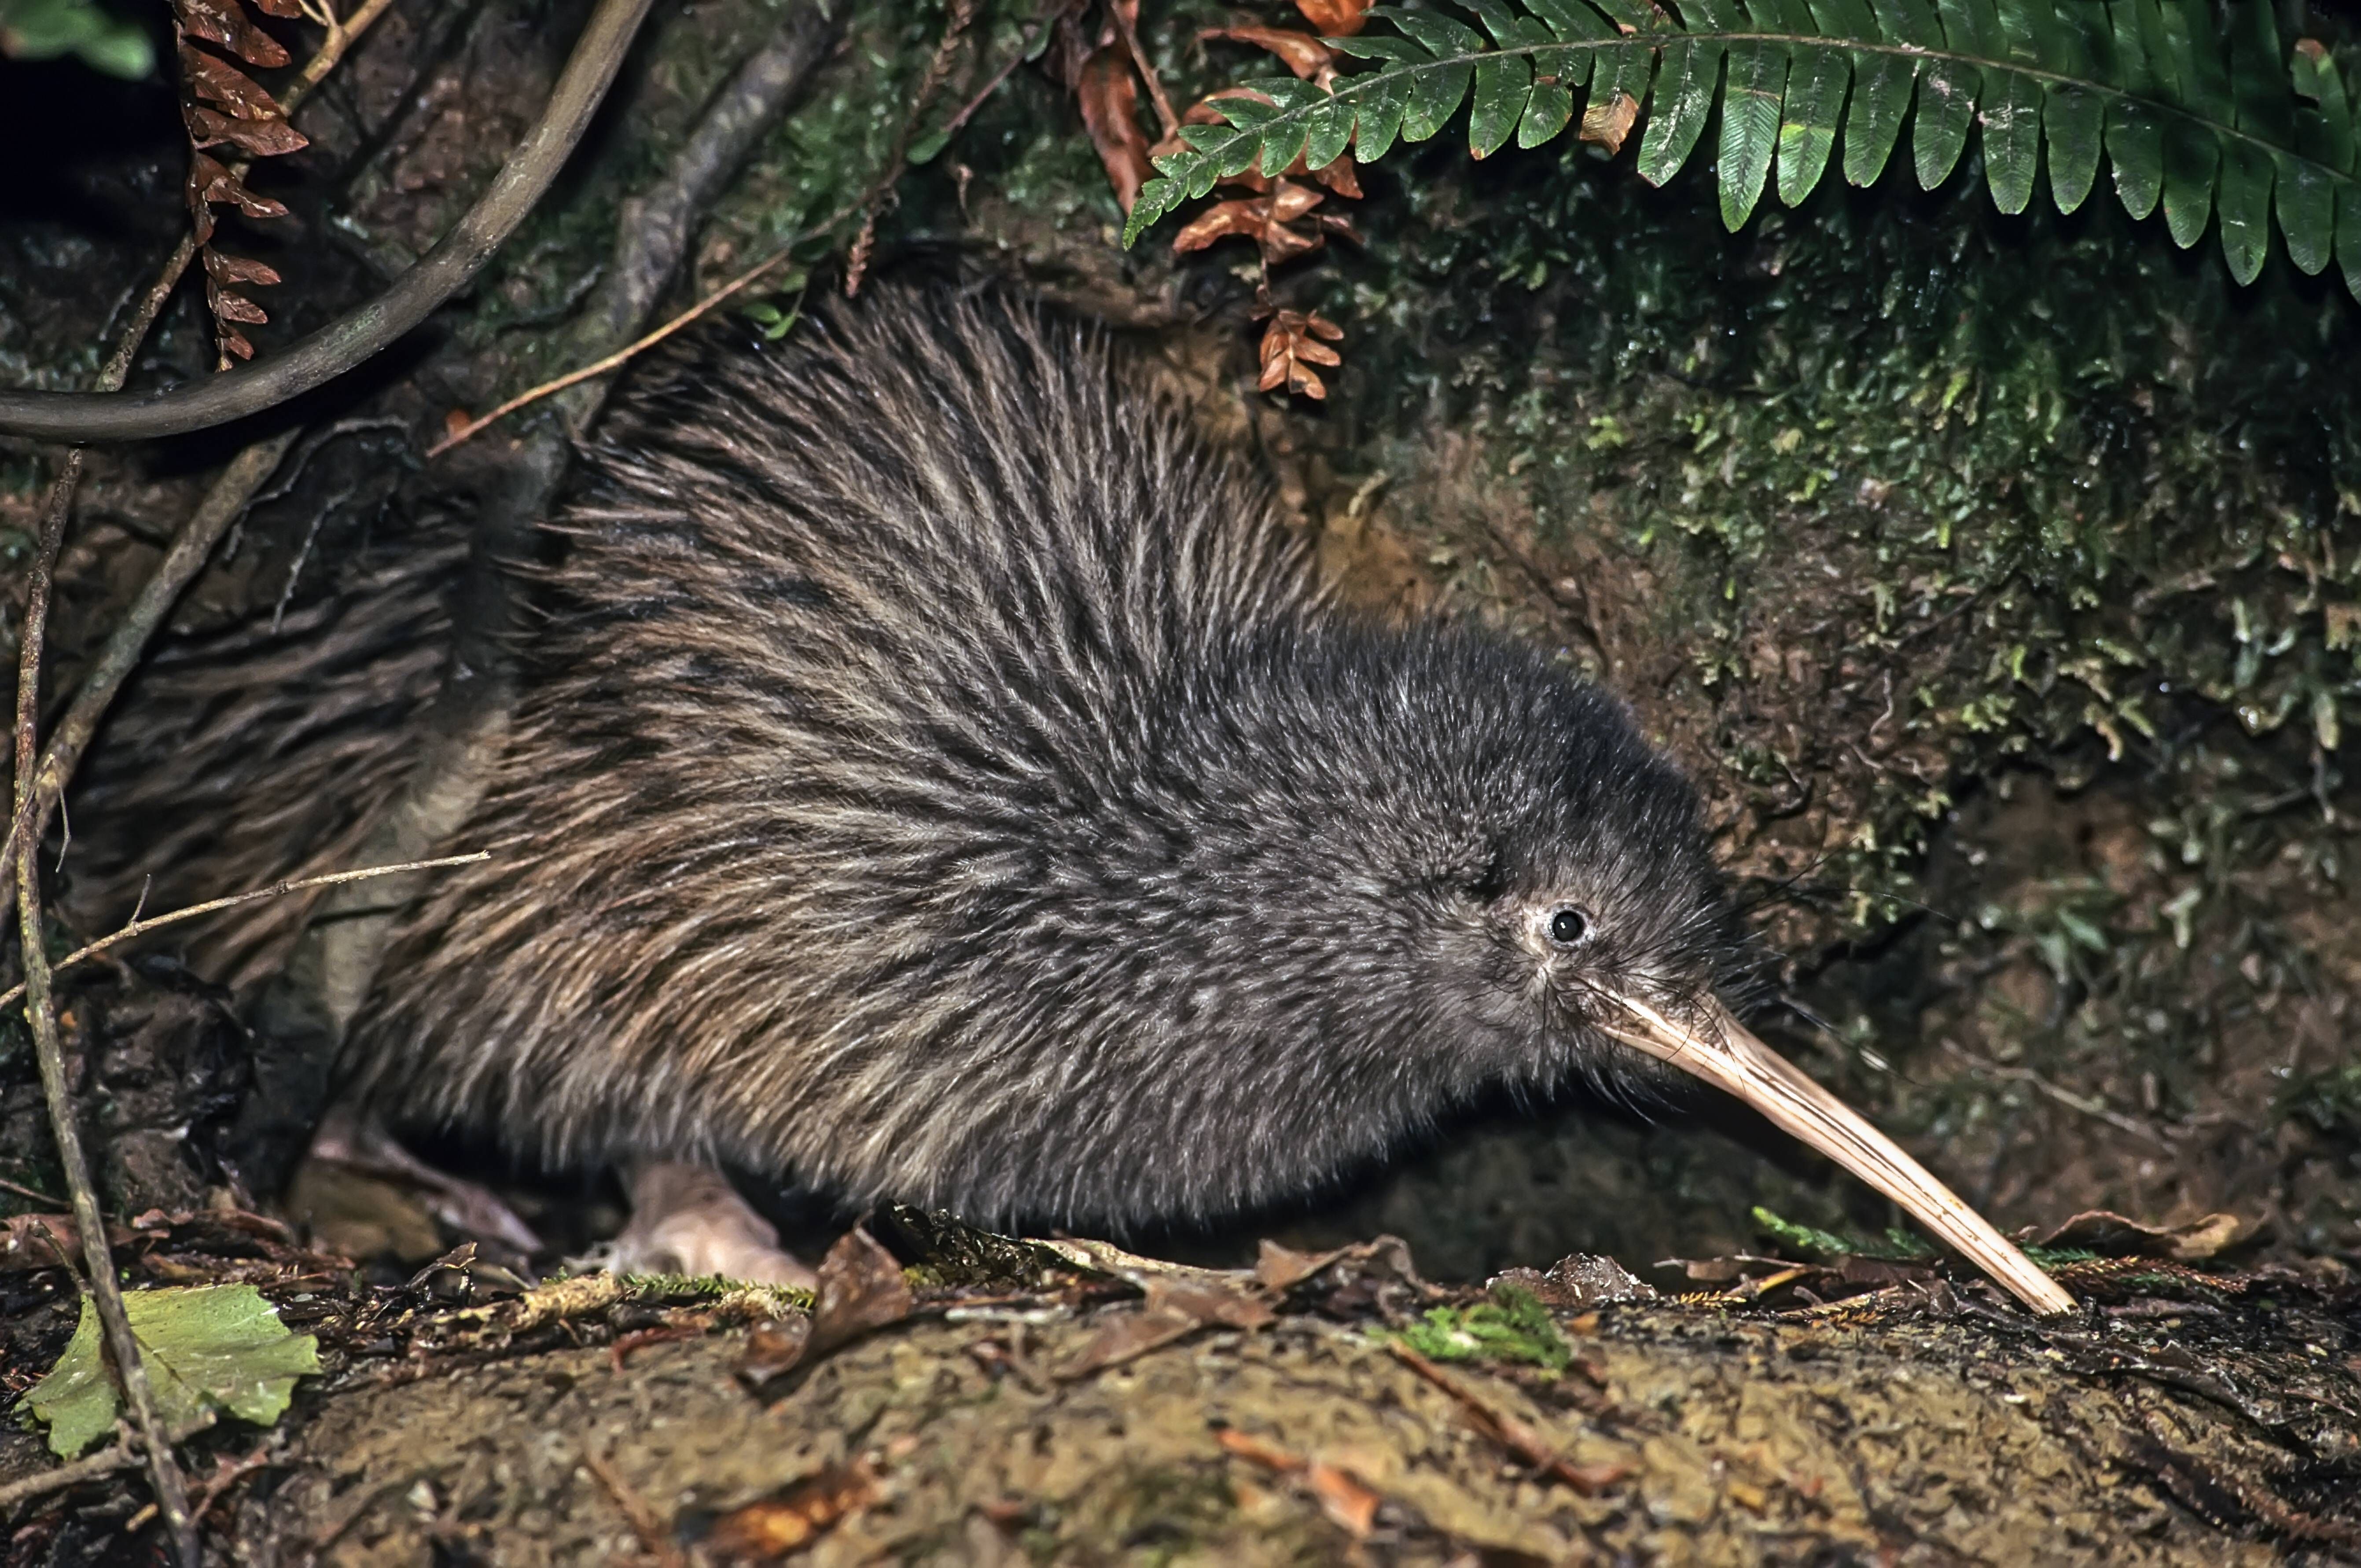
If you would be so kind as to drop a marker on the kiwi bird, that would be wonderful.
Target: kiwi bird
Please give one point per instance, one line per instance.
(937, 774)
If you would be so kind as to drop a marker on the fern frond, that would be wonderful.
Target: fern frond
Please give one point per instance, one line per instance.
(2210, 127)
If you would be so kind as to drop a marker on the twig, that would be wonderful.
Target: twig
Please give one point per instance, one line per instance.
(223, 504)
(1130, 31)
(653, 228)
(360, 334)
(638, 345)
(1516, 1436)
(1057, 12)
(214, 905)
(72, 736)
(125, 1455)
(171, 1489)
(644, 1523)
(2085, 1103)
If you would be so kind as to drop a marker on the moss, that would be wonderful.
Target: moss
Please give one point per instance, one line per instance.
(1512, 1326)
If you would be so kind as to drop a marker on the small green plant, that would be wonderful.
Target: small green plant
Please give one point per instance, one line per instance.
(2185, 118)
(1512, 1326)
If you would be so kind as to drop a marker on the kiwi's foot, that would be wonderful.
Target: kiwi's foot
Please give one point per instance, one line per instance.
(355, 1140)
(687, 1219)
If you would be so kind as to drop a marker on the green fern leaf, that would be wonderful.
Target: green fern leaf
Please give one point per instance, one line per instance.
(2198, 123)
(2073, 119)
(1503, 83)
(2012, 103)
(1882, 88)
(1816, 78)
(1681, 100)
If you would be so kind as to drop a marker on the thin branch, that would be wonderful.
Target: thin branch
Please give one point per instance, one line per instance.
(1130, 30)
(137, 927)
(356, 336)
(125, 1455)
(638, 345)
(172, 1488)
(862, 205)
(1057, 12)
(224, 503)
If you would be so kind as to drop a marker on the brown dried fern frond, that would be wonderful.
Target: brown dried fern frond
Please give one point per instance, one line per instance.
(222, 106)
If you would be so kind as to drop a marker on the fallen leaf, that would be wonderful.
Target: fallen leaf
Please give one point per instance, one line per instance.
(1344, 1499)
(1269, 1455)
(1278, 1267)
(1109, 95)
(2117, 1236)
(38, 1241)
(1610, 121)
(1335, 18)
(213, 1347)
(225, 22)
(1179, 1304)
(860, 1289)
(1341, 1495)
(1302, 53)
(768, 1530)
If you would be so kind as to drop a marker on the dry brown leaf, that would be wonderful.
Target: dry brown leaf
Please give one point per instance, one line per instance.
(1335, 18)
(1290, 347)
(1109, 95)
(1609, 123)
(230, 307)
(1340, 174)
(1253, 1450)
(1177, 1305)
(234, 341)
(768, 1530)
(1344, 1499)
(1302, 53)
(1204, 112)
(263, 138)
(860, 1289)
(218, 81)
(225, 22)
(1278, 1268)
(288, 9)
(2102, 1232)
(210, 181)
(1244, 215)
(225, 268)
(1511, 1433)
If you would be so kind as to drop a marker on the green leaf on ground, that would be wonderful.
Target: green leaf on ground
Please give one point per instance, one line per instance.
(213, 1347)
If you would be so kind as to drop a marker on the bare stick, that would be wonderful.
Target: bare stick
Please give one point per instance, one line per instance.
(1124, 23)
(124, 1455)
(172, 1488)
(637, 346)
(222, 505)
(136, 927)
(636, 1509)
(861, 206)
(360, 334)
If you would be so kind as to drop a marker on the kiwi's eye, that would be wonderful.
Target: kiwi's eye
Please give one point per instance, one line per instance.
(1569, 927)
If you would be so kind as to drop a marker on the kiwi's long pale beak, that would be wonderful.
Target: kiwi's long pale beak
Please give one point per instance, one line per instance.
(1723, 1053)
